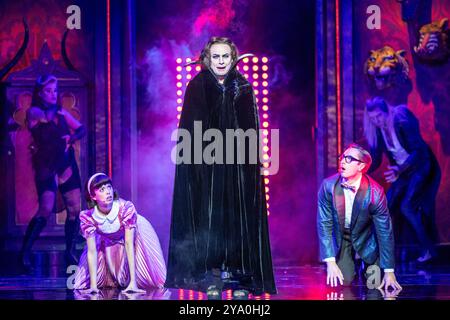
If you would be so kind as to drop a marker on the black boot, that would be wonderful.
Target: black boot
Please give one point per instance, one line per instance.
(36, 225)
(72, 229)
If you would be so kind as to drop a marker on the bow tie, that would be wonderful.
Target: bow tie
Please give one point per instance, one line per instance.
(349, 187)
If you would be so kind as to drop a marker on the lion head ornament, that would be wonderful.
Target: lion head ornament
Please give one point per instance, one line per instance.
(386, 68)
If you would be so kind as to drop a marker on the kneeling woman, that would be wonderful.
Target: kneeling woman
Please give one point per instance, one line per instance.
(123, 249)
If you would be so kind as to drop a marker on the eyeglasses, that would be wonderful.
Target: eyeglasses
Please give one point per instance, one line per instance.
(349, 159)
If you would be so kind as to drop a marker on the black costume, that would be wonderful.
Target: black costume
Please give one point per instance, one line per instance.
(219, 214)
(413, 194)
(50, 157)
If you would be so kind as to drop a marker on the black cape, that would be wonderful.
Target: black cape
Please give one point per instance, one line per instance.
(219, 214)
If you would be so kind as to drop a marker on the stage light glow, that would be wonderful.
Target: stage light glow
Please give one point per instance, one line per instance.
(246, 76)
(265, 68)
(188, 68)
(266, 157)
(198, 68)
(265, 84)
(179, 84)
(179, 68)
(255, 76)
(179, 108)
(188, 60)
(245, 60)
(266, 141)
(189, 76)
(179, 92)
(266, 180)
(179, 60)
(265, 108)
(265, 148)
(265, 124)
(256, 93)
(255, 68)
(245, 68)
(255, 59)
(265, 100)
(264, 60)
(178, 76)
(255, 83)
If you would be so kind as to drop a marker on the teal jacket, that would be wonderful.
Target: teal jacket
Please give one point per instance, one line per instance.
(371, 227)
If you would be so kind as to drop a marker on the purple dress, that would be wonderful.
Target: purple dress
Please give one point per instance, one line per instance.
(112, 265)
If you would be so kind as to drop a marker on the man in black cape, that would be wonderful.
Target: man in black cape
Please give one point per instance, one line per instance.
(219, 233)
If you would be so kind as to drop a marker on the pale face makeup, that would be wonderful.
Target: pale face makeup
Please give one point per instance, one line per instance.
(378, 118)
(221, 59)
(49, 93)
(104, 196)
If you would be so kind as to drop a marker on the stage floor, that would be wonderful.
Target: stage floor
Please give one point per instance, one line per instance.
(294, 283)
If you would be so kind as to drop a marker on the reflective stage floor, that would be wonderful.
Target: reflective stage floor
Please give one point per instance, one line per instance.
(293, 283)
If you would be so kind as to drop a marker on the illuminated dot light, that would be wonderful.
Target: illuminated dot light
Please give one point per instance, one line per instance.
(253, 71)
